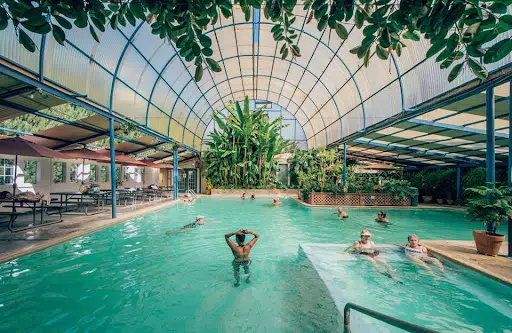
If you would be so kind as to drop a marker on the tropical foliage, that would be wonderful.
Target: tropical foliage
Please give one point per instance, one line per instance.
(243, 151)
(401, 189)
(490, 205)
(461, 32)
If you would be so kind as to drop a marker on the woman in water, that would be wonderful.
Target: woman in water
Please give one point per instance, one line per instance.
(253, 197)
(243, 196)
(199, 220)
(381, 218)
(341, 213)
(276, 202)
(419, 254)
(366, 248)
(241, 252)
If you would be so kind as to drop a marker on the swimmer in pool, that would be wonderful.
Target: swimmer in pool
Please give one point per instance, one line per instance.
(199, 220)
(341, 213)
(419, 254)
(253, 197)
(188, 198)
(243, 196)
(241, 252)
(366, 248)
(381, 218)
(276, 202)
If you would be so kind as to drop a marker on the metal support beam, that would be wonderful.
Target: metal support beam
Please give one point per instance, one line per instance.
(16, 92)
(344, 165)
(509, 173)
(420, 151)
(458, 184)
(112, 167)
(490, 151)
(175, 174)
(453, 127)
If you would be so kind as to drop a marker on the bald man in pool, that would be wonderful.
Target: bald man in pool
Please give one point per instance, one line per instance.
(241, 252)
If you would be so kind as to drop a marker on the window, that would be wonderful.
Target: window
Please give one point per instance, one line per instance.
(118, 175)
(125, 174)
(142, 174)
(59, 170)
(73, 169)
(6, 171)
(93, 169)
(104, 173)
(30, 172)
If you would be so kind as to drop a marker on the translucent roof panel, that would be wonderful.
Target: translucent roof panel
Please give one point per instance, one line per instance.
(327, 91)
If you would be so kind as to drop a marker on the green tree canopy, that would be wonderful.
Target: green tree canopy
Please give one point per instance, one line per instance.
(461, 32)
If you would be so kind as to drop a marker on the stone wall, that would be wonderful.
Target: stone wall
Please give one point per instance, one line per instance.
(356, 199)
(258, 193)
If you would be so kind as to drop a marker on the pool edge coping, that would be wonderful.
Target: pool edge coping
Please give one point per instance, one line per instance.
(475, 267)
(58, 240)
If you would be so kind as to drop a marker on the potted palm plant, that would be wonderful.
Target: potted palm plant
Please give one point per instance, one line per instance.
(491, 206)
(209, 187)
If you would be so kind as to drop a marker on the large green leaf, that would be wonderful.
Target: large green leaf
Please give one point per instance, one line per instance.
(213, 65)
(58, 34)
(4, 19)
(26, 41)
(477, 69)
(455, 72)
(63, 22)
(498, 51)
(341, 31)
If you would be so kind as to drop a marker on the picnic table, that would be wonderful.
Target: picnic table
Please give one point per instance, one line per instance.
(34, 207)
(73, 201)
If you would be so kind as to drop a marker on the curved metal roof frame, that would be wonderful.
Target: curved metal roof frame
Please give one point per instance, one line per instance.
(333, 96)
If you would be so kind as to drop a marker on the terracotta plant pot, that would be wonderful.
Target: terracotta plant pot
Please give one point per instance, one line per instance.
(427, 198)
(488, 244)
(208, 191)
(440, 201)
(450, 202)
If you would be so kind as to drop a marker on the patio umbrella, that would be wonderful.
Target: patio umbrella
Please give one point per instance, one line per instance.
(86, 154)
(152, 164)
(121, 159)
(19, 146)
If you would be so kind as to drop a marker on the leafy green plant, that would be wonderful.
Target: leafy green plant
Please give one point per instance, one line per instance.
(489, 205)
(401, 189)
(461, 32)
(242, 152)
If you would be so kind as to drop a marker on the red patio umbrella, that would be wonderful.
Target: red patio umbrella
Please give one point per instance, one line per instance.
(86, 154)
(121, 159)
(19, 146)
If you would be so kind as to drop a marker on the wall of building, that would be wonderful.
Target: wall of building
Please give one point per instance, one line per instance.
(44, 178)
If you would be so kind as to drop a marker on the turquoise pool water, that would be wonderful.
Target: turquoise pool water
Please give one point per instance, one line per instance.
(133, 277)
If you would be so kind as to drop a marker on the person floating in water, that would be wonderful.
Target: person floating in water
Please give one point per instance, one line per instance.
(419, 254)
(188, 198)
(253, 197)
(276, 202)
(341, 213)
(199, 220)
(381, 218)
(243, 196)
(241, 252)
(366, 247)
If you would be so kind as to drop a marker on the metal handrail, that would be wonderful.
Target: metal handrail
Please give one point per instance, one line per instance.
(406, 326)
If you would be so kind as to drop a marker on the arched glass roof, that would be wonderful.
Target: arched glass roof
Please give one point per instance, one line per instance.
(328, 90)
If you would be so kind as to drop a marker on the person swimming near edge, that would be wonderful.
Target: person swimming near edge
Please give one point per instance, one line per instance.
(243, 196)
(418, 254)
(199, 221)
(366, 247)
(381, 218)
(241, 252)
(341, 213)
(253, 197)
(188, 198)
(276, 202)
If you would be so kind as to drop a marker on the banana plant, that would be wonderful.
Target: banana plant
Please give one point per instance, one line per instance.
(242, 150)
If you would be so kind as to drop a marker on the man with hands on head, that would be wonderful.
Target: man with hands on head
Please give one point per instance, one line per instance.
(241, 252)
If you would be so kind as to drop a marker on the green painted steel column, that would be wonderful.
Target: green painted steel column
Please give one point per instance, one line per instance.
(458, 184)
(510, 164)
(175, 173)
(490, 141)
(112, 166)
(344, 164)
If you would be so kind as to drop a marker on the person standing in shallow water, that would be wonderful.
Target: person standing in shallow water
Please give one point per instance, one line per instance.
(241, 252)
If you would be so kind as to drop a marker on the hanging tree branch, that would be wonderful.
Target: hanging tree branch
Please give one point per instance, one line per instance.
(456, 29)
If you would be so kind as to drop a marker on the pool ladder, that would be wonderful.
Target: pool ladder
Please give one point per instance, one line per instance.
(406, 326)
(192, 193)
